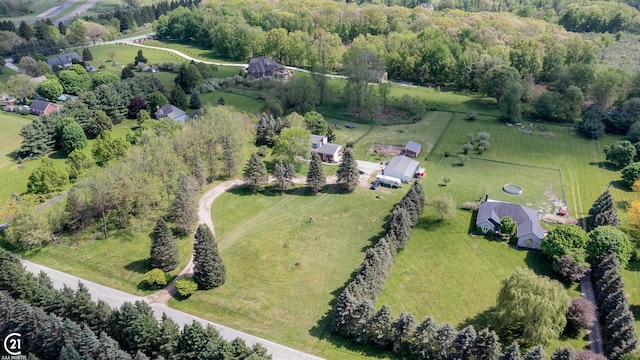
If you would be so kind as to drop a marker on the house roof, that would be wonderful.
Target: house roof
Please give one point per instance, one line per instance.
(413, 146)
(317, 139)
(329, 149)
(60, 60)
(263, 65)
(171, 111)
(40, 105)
(526, 218)
(402, 164)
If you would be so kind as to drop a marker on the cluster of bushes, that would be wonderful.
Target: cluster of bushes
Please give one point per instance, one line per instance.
(67, 324)
(618, 323)
(480, 142)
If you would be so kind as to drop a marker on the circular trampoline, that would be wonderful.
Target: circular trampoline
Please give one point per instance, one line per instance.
(512, 189)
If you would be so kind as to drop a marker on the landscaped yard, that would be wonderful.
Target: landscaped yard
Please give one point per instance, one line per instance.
(283, 273)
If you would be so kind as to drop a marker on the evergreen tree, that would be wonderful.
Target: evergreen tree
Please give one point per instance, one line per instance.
(164, 248)
(283, 175)
(166, 343)
(417, 187)
(411, 204)
(425, 338)
(348, 173)
(25, 31)
(255, 173)
(444, 341)
(188, 77)
(52, 340)
(563, 354)
(315, 177)
(487, 346)
(331, 136)
(194, 101)
(603, 212)
(184, 211)
(404, 327)
(512, 352)
(399, 227)
(127, 73)
(464, 342)
(178, 98)
(209, 271)
(536, 353)
(69, 353)
(89, 343)
(86, 55)
(380, 327)
(265, 130)
(139, 58)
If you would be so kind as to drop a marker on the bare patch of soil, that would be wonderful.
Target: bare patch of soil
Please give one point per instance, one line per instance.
(550, 210)
(386, 149)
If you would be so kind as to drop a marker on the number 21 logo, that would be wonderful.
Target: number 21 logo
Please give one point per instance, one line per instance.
(13, 344)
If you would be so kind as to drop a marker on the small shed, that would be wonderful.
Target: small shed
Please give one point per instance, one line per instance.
(401, 167)
(420, 173)
(412, 149)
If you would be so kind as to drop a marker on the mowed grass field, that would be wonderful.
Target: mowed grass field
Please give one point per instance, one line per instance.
(262, 238)
(119, 261)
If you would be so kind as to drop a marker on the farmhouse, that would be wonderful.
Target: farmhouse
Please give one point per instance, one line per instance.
(529, 232)
(172, 112)
(39, 107)
(412, 149)
(317, 141)
(401, 167)
(63, 60)
(330, 153)
(266, 68)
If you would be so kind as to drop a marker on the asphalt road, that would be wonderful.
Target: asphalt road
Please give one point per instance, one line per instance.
(116, 298)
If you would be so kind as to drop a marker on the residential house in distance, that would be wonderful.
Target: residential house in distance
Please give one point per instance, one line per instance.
(331, 153)
(401, 167)
(40, 107)
(529, 232)
(172, 112)
(63, 61)
(266, 68)
(317, 141)
(412, 149)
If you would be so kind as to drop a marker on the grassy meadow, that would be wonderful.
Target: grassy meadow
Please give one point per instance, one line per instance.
(297, 268)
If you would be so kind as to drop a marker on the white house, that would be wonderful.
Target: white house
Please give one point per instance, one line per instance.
(172, 112)
(331, 153)
(401, 167)
(529, 232)
(317, 141)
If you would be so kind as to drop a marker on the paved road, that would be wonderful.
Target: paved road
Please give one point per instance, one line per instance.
(86, 6)
(595, 332)
(116, 298)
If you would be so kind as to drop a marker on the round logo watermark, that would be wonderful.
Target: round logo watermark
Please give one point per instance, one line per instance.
(12, 344)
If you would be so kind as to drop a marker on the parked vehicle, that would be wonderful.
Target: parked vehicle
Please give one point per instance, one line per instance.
(389, 181)
(374, 185)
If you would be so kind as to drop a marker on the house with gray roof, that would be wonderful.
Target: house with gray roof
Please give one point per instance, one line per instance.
(529, 232)
(330, 153)
(401, 167)
(63, 61)
(266, 68)
(172, 112)
(41, 107)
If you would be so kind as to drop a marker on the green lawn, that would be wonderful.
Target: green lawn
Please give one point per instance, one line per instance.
(6, 73)
(125, 54)
(273, 297)
(118, 262)
(241, 100)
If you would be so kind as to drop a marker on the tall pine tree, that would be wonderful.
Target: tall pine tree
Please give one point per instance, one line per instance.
(348, 174)
(315, 177)
(603, 212)
(164, 249)
(283, 175)
(178, 98)
(209, 271)
(265, 130)
(255, 173)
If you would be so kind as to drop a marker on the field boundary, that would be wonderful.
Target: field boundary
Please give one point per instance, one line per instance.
(446, 128)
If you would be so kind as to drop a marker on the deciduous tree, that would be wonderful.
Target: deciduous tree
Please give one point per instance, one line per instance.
(604, 237)
(292, 143)
(620, 153)
(445, 205)
(315, 123)
(531, 308)
(46, 178)
(20, 86)
(50, 89)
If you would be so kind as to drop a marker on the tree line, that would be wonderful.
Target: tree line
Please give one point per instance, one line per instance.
(67, 324)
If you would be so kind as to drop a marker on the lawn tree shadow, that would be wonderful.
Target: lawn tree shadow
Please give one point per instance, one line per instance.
(429, 222)
(140, 266)
(635, 309)
(620, 185)
(481, 320)
(538, 262)
(606, 165)
(634, 265)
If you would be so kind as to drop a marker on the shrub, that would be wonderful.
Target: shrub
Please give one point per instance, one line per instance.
(470, 205)
(581, 314)
(471, 116)
(186, 287)
(467, 147)
(483, 135)
(570, 269)
(155, 278)
(631, 173)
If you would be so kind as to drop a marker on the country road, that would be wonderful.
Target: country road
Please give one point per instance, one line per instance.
(116, 298)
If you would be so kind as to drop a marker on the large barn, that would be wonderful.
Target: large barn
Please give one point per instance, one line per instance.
(401, 167)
